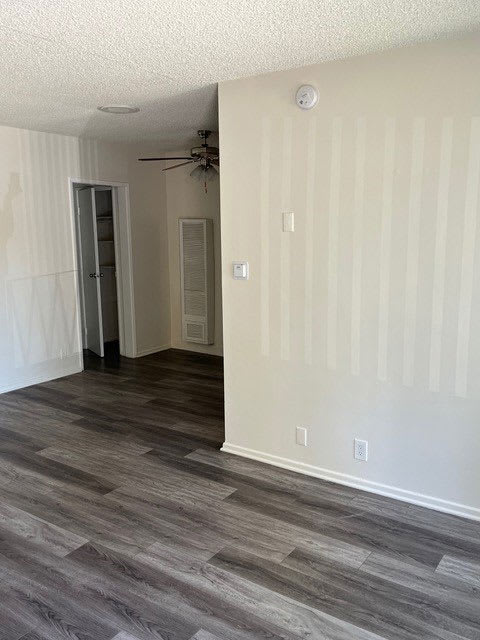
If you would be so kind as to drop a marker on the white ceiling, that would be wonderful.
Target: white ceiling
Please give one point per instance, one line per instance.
(60, 59)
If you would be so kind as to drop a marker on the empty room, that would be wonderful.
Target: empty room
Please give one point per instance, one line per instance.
(239, 320)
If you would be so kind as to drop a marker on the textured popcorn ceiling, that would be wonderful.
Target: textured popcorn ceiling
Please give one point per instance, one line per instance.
(60, 59)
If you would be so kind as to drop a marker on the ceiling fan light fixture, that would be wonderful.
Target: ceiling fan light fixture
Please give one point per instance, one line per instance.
(197, 173)
(119, 109)
(204, 173)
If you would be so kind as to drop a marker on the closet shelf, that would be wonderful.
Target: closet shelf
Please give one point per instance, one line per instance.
(105, 240)
(104, 218)
(107, 266)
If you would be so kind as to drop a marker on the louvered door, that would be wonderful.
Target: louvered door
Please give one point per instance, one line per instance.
(197, 279)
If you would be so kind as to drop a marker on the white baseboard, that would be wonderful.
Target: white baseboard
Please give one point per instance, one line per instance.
(147, 352)
(205, 349)
(473, 513)
(60, 372)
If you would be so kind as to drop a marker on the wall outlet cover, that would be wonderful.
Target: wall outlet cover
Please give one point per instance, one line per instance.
(360, 450)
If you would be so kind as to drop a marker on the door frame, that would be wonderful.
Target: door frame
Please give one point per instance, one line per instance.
(123, 261)
(81, 269)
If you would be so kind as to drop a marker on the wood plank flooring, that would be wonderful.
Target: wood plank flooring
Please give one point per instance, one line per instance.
(120, 519)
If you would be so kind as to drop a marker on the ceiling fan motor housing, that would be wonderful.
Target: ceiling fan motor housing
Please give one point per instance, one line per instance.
(204, 152)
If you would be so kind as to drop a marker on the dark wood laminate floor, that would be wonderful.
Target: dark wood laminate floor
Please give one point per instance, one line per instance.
(120, 518)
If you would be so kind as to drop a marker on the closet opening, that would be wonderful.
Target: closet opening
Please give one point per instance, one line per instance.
(106, 321)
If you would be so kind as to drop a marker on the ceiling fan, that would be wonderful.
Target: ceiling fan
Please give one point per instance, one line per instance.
(204, 157)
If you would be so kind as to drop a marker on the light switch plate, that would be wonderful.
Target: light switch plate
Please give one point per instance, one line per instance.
(288, 221)
(301, 436)
(240, 270)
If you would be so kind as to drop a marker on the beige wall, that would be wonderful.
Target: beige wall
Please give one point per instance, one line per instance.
(150, 254)
(186, 198)
(38, 298)
(364, 322)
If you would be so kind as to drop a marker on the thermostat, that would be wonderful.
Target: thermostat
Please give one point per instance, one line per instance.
(306, 96)
(240, 270)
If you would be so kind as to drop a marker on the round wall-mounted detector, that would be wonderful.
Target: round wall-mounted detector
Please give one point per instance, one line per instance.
(118, 108)
(306, 96)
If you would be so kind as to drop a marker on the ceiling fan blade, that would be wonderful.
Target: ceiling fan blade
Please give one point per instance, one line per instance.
(155, 159)
(178, 165)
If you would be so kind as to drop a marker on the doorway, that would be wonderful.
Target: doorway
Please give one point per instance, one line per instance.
(106, 320)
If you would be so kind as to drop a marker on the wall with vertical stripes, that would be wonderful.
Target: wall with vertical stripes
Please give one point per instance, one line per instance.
(364, 321)
(186, 198)
(38, 298)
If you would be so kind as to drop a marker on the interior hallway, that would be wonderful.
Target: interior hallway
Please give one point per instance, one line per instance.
(120, 518)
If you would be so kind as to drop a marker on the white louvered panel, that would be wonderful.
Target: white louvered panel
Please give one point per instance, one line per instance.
(195, 331)
(197, 279)
(194, 256)
(195, 303)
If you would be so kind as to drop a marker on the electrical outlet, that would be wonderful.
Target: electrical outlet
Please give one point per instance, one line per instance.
(301, 436)
(360, 451)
